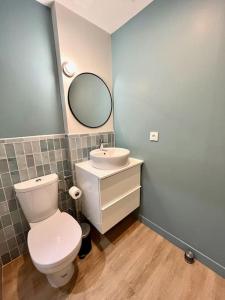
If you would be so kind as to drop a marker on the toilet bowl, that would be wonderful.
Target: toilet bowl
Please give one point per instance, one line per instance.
(54, 239)
(53, 246)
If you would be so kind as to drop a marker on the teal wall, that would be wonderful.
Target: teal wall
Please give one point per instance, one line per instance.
(29, 94)
(169, 75)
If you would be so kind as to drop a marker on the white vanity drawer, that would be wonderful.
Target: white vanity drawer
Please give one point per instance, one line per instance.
(120, 184)
(115, 212)
(108, 195)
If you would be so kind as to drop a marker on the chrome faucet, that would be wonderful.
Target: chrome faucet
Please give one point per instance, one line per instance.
(101, 145)
(101, 148)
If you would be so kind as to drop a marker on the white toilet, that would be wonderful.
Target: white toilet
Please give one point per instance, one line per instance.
(54, 239)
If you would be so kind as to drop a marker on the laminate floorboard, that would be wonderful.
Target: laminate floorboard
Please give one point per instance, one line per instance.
(129, 262)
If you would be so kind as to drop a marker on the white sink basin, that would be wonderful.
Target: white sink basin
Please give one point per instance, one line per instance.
(109, 158)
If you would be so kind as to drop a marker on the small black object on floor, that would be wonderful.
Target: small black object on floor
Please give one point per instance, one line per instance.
(189, 257)
(86, 240)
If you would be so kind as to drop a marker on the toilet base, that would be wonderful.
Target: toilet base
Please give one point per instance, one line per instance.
(61, 277)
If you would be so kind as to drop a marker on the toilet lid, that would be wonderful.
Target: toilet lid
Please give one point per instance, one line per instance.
(52, 241)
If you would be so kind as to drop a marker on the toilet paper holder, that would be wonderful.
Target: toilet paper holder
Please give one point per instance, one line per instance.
(75, 193)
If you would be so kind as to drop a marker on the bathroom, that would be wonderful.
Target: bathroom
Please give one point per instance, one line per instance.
(112, 142)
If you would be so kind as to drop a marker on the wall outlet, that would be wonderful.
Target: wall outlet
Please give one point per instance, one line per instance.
(154, 136)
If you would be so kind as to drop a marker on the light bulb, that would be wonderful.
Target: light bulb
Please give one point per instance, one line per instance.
(69, 69)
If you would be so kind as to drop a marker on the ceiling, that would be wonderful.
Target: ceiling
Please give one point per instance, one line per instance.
(106, 14)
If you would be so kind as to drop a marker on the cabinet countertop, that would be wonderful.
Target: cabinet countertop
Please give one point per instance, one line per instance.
(101, 174)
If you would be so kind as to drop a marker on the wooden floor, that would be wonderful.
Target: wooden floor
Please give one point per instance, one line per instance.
(129, 262)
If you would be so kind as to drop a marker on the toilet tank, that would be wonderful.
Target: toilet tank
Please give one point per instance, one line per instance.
(38, 197)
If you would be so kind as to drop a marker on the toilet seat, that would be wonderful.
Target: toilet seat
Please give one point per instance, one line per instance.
(54, 241)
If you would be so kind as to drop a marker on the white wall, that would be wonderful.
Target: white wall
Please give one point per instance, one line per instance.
(89, 48)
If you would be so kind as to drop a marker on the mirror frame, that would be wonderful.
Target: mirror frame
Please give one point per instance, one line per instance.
(110, 113)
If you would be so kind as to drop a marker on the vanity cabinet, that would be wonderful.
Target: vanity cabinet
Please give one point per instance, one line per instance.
(109, 195)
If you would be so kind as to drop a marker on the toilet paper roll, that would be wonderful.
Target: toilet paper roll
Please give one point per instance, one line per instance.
(75, 193)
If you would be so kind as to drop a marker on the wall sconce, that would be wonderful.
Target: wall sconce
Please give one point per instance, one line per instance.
(68, 69)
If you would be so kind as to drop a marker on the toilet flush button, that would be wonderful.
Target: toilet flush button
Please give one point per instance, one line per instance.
(154, 136)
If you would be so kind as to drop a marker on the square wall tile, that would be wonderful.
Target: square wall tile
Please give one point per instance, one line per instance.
(24, 175)
(9, 232)
(44, 145)
(50, 143)
(85, 153)
(32, 172)
(36, 147)
(4, 166)
(78, 142)
(19, 148)
(27, 147)
(47, 169)
(93, 141)
(52, 156)
(38, 159)
(14, 253)
(20, 239)
(2, 151)
(3, 248)
(6, 180)
(10, 152)
(12, 243)
(60, 166)
(72, 143)
(40, 171)
(4, 208)
(53, 167)
(105, 138)
(12, 205)
(2, 235)
(15, 216)
(9, 192)
(74, 155)
(56, 143)
(18, 228)
(62, 143)
(15, 177)
(30, 160)
(21, 162)
(45, 157)
(64, 154)
(12, 164)
(6, 220)
(88, 141)
(2, 195)
(23, 248)
(84, 142)
(58, 155)
(79, 154)
(5, 258)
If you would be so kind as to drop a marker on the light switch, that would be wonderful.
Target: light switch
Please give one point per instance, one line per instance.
(154, 136)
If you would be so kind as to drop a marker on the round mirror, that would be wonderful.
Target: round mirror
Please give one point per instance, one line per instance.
(90, 100)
